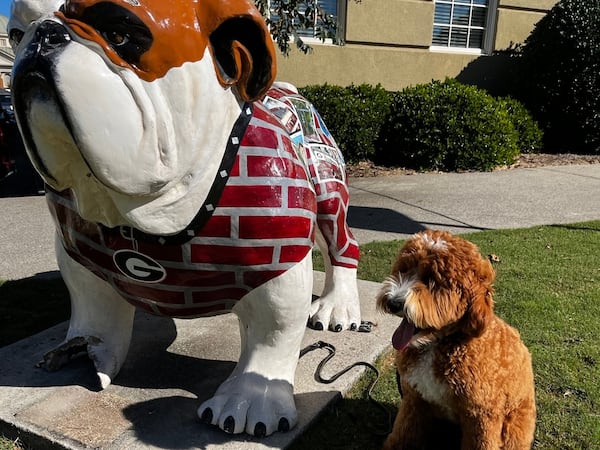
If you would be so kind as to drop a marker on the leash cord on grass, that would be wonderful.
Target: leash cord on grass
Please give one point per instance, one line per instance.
(319, 378)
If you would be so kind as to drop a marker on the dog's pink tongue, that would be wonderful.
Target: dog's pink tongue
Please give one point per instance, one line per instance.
(402, 335)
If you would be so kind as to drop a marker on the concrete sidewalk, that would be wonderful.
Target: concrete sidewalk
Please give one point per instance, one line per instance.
(381, 208)
(171, 368)
(152, 402)
(384, 208)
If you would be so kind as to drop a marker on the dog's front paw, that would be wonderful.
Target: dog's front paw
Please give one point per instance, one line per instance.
(251, 403)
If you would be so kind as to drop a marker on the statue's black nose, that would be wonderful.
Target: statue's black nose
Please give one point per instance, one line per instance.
(51, 36)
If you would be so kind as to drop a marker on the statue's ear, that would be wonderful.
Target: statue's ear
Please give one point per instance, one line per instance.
(240, 43)
(244, 55)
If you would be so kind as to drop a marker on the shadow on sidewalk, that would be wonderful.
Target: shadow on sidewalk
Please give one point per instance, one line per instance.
(390, 221)
(382, 219)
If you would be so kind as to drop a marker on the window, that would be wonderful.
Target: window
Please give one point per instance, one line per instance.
(329, 7)
(463, 24)
(309, 24)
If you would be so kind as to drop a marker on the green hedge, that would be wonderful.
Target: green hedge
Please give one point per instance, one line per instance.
(446, 125)
(558, 76)
(353, 114)
(442, 125)
(529, 132)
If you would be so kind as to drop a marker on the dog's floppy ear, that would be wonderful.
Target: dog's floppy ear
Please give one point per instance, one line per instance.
(241, 45)
(481, 303)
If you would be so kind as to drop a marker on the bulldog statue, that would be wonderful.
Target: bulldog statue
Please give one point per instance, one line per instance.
(184, 182)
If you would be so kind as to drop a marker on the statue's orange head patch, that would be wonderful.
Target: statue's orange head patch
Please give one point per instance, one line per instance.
(152, 36)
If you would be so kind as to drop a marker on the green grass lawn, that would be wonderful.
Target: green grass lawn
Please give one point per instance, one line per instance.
(548, 286)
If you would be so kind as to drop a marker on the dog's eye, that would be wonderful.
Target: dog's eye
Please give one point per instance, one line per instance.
(427, 279)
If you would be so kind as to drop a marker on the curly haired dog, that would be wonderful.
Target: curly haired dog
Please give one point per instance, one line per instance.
(465, 375)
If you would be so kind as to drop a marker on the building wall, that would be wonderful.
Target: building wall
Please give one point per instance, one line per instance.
(393, 68)
(404, 22)
(390, 46)
(6, 54)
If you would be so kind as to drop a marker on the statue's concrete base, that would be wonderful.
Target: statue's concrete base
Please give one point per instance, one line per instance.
(172, 366)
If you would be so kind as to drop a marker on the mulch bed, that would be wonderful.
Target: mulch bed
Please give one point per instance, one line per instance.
(369, 169)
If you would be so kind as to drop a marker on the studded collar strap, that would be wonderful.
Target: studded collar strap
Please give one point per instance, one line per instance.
(206, 210)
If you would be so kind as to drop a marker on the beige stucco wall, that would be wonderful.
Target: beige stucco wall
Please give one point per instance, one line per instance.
(529, 4)
(514, 26)
(400, 22)
(404, 28)
(393, 68)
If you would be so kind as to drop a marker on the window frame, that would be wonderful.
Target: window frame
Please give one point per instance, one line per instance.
(489, 31)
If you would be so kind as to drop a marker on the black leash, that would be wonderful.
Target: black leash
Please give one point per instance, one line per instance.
(319, 378)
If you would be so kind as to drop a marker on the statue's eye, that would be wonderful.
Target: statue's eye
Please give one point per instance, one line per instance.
(14, 37)
(115, 38)
(121, 29)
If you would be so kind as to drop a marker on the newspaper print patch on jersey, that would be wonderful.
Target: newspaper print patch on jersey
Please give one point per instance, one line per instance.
(307, 130)
(325, 164)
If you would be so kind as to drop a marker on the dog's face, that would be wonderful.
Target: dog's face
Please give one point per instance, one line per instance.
(130, 102)
(439, 284)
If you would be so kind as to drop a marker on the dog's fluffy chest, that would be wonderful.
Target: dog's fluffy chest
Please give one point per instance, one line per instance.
(421, 376)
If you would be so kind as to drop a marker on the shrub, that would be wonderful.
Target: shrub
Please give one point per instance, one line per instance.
(528, 131)
(353, 114)
(559, 76)
(447, 126)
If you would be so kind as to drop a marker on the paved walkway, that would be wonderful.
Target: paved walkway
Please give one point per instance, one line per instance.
(394, 207)
(171, 368)
(153, 400)
(381, 208)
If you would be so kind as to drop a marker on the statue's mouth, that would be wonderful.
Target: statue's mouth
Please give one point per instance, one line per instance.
(31, 92)
(34, 93)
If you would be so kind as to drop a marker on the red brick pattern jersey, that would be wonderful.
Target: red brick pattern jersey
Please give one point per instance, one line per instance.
(261, 224)
(326, 168)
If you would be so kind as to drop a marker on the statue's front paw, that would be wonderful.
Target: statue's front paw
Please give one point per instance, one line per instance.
(251, 403)
(106, 358)
(66, 352)
(331, 312)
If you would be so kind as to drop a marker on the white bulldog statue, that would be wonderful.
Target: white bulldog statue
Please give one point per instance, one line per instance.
(181, 181)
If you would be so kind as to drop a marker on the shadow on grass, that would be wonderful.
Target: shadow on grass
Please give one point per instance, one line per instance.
(31, 305)
(350, 424)
(578, 227)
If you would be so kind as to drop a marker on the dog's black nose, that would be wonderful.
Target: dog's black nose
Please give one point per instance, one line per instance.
(395, 304)
(50, 36)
